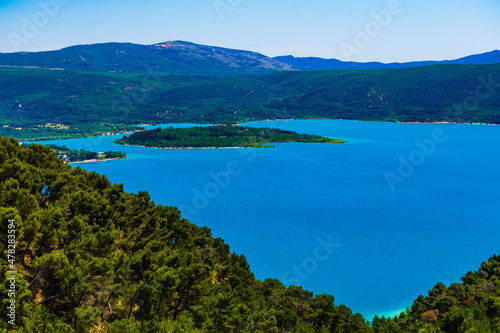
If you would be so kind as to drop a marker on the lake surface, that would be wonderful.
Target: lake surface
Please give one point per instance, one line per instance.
(375, 222)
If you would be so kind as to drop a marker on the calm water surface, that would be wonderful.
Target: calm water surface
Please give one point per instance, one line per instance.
(375, 222)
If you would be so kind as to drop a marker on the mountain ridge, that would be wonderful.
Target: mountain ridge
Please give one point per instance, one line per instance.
(177, 57)
(182, 57)
(315, 63)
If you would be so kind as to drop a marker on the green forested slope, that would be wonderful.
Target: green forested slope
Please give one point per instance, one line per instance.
(470, 306)
(434, 93)
(92, 258)
(34, 101)
(92, 103)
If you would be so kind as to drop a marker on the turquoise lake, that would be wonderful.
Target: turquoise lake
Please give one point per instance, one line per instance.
(375, 222)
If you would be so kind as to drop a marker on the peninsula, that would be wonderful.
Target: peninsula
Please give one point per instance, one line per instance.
(84, 156)
(220, 136)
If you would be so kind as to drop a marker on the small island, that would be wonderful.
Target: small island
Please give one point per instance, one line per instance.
(84, 156)
(219, 136)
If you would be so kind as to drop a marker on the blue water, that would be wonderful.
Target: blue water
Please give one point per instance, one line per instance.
(325, 216)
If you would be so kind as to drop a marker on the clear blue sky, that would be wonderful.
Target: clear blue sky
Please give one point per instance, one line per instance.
(415, 30)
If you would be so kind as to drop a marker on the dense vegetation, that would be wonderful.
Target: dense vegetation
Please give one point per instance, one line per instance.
(25, 132)
(222, 136)
(43, 104)
(73, 155)
(91, 257)
(471, 306)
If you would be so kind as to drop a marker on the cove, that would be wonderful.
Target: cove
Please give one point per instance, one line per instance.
(375, 222)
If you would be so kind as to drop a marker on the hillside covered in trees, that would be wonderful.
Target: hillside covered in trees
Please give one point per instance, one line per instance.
(218, 137)
(37, 104)
(90, 257)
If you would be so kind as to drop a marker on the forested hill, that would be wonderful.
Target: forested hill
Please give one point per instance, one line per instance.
(221, 136)
(174, 57)
(90, 257)
(43, 104)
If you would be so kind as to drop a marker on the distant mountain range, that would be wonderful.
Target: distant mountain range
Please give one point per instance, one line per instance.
(492, 57)
(170, 57)
(106, 88)
(179, 57)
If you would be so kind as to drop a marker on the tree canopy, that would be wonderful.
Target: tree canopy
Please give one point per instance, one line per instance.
(91, 257)
(218, 137)
(74, 155)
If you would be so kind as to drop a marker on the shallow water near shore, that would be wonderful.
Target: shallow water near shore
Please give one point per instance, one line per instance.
(374, 222)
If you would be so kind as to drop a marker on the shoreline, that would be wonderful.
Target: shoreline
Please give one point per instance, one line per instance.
(382, 121)
(94, 161)
(195, 147)
(442, 122)
(379, 121)
(267, 120)
(387, 314)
